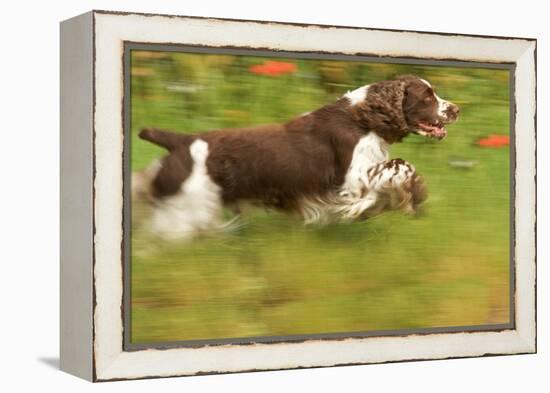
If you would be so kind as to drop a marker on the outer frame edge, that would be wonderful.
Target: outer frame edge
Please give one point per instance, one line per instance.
(301, 24)
(76, 242)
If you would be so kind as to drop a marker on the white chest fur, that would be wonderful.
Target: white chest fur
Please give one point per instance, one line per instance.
(370, 150)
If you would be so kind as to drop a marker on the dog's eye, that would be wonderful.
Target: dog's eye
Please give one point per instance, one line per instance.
(428, 99)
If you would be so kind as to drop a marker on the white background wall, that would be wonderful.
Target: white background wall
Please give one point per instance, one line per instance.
(29, 194)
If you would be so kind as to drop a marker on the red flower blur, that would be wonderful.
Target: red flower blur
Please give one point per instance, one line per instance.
(273, 68)
(494, 140)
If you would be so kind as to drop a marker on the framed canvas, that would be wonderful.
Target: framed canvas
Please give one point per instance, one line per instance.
(247, 195)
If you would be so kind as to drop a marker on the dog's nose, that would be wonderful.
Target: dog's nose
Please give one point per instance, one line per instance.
(452, 111)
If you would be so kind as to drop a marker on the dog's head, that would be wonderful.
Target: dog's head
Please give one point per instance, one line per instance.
(425, 112)
(406, 104)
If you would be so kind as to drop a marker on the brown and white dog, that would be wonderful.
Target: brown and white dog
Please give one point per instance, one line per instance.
(329, 164)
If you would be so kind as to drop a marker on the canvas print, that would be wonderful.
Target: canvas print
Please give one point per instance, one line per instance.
(282, 197)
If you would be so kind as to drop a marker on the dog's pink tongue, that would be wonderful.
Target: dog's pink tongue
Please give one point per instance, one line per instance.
(435, 131)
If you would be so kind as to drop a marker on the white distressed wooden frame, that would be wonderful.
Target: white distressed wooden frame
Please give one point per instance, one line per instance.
(92, 195)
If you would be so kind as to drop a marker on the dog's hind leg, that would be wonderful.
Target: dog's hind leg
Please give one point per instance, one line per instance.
(141, 182)
(197, 205)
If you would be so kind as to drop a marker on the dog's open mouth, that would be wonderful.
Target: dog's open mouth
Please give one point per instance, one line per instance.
(432, 130)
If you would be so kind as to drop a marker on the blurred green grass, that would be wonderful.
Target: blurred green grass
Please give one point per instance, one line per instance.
(275, 276)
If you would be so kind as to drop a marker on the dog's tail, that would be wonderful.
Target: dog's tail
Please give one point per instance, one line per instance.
(167, 139)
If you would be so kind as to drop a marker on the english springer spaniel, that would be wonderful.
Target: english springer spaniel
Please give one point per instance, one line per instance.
(327, 165)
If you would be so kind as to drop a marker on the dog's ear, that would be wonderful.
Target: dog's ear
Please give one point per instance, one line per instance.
(382, 110)
(406, 78)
